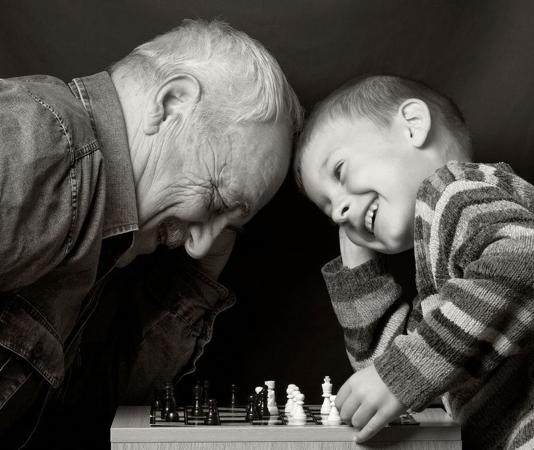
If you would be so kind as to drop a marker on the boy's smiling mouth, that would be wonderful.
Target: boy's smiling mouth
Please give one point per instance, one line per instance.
(370, 216)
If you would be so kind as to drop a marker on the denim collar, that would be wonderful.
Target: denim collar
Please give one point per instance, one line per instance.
(100, 99)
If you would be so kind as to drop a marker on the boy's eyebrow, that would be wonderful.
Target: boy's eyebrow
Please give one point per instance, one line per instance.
(327, 159)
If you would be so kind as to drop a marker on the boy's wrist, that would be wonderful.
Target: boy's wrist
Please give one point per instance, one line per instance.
(353, 255)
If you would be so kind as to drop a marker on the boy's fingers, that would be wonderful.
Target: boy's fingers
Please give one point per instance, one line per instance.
(342, 395)
(362, 416)
(373, 426)
(349, 408)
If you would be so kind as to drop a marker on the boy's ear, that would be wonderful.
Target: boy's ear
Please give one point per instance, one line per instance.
(415, 117)
(177, 95)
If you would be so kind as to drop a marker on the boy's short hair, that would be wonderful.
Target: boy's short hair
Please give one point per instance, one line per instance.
(377, 98)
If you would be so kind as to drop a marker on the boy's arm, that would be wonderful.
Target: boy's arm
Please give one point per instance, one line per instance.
(365, 300)
(482, 312)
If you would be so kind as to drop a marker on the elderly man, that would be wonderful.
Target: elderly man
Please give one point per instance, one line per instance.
(177, 145)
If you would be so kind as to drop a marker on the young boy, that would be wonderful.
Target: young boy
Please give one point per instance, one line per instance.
(389, 160)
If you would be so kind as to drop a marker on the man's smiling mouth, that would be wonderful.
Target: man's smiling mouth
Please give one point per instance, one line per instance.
(370, 216)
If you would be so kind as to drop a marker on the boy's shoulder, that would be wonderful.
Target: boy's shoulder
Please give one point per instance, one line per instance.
(464, 178)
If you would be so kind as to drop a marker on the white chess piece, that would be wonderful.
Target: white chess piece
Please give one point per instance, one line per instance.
(289, 404)
(334, 418)
(258, 389)
(271, 399)
(299, 415)
(295, 393)
(327, 392)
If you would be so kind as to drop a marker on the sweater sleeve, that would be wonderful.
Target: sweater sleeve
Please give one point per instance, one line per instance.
(481, 256)
(365, 300)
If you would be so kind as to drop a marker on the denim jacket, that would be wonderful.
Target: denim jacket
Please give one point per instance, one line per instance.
(67, 214)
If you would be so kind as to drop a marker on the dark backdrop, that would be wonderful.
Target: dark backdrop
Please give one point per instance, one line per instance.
(283, 327)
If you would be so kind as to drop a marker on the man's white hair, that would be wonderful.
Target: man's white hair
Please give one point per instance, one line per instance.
(239, 79)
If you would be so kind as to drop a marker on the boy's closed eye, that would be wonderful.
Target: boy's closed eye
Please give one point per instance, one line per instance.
(337, 170)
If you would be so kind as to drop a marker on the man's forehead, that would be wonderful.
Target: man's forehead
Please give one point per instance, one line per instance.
(259, 162)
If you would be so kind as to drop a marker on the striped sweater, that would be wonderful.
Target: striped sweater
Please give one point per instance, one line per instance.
(469, 336)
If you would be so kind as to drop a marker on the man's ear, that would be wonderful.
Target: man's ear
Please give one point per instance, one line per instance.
(415, 117)
(176, 95)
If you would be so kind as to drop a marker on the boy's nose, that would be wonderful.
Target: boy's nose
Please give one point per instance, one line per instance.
(340, 213)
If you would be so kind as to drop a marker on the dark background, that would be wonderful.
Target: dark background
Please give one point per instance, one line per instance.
(283, 327)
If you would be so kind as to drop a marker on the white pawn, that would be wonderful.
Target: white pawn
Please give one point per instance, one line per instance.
(327, 392)
(289, 404)
(271, 399)
(295, 393)
(299, 416)
(334, 418)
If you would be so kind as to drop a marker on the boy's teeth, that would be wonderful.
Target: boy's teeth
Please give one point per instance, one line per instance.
(369, 216)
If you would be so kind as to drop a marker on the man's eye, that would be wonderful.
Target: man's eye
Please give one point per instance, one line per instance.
(337, 170)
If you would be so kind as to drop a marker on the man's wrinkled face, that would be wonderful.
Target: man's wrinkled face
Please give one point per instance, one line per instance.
(208, 185)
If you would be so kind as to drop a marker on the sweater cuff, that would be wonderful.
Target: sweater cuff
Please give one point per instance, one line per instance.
(343, 282)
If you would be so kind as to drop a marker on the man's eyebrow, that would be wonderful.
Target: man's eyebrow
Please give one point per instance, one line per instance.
(237, 201)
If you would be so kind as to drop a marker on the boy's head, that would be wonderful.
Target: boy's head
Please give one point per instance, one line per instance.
(366, 149)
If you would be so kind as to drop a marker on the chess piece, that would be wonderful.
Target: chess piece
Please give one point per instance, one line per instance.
(271, 399)
(197, 410)
(206, 399)
(212, 418)
(263, 409)
(299, 415)
(333, 418)
(327, 392)
(251, 413)
(169, 412)
(289, 404)
(157, 403)
(295, 393)
(233, 400)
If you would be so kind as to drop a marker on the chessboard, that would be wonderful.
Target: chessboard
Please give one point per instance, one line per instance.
(236, 416)
(431, 429)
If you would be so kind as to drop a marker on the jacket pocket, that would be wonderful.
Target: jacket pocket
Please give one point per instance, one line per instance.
(27, 333)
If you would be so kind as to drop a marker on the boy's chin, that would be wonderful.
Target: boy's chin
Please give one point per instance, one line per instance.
(394, 247)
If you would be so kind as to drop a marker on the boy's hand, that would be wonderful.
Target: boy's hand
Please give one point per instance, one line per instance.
(353, 255)
(366, 402)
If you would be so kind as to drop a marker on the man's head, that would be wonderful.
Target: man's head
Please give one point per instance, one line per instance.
(366, 149)
(210, 119)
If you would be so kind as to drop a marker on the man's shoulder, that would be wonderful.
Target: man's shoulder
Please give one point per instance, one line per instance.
(46, 109)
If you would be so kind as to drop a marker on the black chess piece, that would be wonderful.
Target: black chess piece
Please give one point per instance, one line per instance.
(264, 408)
(252, 412)
(233, 400)
(156, 406)
(212, 418)
(206, 399)
(157, 402)
(261, 403)
(169, 412)
(197, 410)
